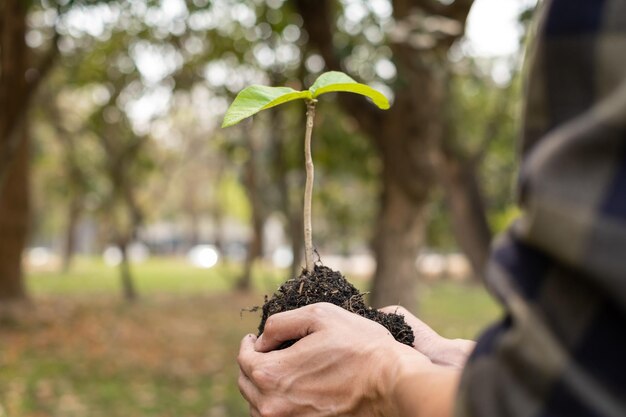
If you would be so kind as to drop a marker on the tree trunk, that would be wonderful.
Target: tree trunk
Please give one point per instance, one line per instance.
(128, 285)
(14, 219)
(193, 235)
(255, 248)
(217, 211)
(218, 233)
(293, 215)
(406, 138)
(136, 216)
(251, 182)
(191, 210)
(397, 240)
(297, 237)
(467, 210)
(14, 154)
(69, 246)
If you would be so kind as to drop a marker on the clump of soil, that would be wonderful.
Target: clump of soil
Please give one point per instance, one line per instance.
(326, 285)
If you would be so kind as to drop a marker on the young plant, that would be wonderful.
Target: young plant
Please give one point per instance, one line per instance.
(253, 99)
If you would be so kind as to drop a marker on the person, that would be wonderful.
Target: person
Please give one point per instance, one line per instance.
(559, 271)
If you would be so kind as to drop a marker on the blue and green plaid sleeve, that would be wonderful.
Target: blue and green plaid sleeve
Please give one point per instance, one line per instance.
(560, 270)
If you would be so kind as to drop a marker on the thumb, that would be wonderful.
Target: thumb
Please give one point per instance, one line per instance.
(290, 325)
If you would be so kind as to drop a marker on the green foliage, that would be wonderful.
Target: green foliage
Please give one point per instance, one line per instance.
(483, 128)
(502, 219)
(232, 198)
(255, 98)
(457, 309)
(334, 81)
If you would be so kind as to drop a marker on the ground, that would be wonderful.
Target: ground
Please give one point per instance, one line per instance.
(78, 350)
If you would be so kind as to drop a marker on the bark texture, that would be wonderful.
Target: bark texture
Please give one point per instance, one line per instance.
(14, 220)
(20, 75)
(398, 237)
(14, 204)
(308, 188)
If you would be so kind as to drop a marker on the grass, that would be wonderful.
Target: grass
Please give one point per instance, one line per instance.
(164, 356)
(79, 350)
(159, 275)
(457, 310)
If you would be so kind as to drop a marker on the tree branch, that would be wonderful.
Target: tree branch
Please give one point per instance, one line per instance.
(10, 147)
(14, 132)
(320, 26)
(491, 130)
(457, 10)
(431, 6)
(45, 65)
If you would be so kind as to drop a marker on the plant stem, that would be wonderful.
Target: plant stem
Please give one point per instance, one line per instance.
(308, 189)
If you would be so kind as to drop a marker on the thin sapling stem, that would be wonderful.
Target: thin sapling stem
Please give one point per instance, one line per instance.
(308, 189)
(255, 98)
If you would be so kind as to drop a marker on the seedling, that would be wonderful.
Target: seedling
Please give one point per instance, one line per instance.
(255, 98)
(317, 283)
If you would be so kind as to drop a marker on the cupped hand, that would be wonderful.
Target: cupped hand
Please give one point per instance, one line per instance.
(342, 364)
(441, 351)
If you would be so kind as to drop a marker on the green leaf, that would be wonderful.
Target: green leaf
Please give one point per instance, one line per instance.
(338, 81)
(255, 98)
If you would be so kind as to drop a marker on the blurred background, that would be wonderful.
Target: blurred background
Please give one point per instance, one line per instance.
(135, 232)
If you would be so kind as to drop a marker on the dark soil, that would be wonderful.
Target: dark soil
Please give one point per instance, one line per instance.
(326, 285)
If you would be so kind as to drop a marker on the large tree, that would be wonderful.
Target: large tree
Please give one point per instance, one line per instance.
(20, 74)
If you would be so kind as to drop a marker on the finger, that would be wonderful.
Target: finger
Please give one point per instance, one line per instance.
(418, 325)
(394, 309)
(293, 324)
(411, 320)
(248, 390)
(254, 412)
(455, 352)
(425, 337)
(247, 354)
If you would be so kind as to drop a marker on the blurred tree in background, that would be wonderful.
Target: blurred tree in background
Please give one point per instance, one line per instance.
(21, 72)
(124, 99)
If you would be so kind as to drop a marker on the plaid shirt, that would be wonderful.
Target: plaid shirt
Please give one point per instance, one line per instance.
(560, 271)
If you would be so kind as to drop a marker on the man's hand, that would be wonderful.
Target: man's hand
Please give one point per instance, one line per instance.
(342, 364)
(441, 351)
